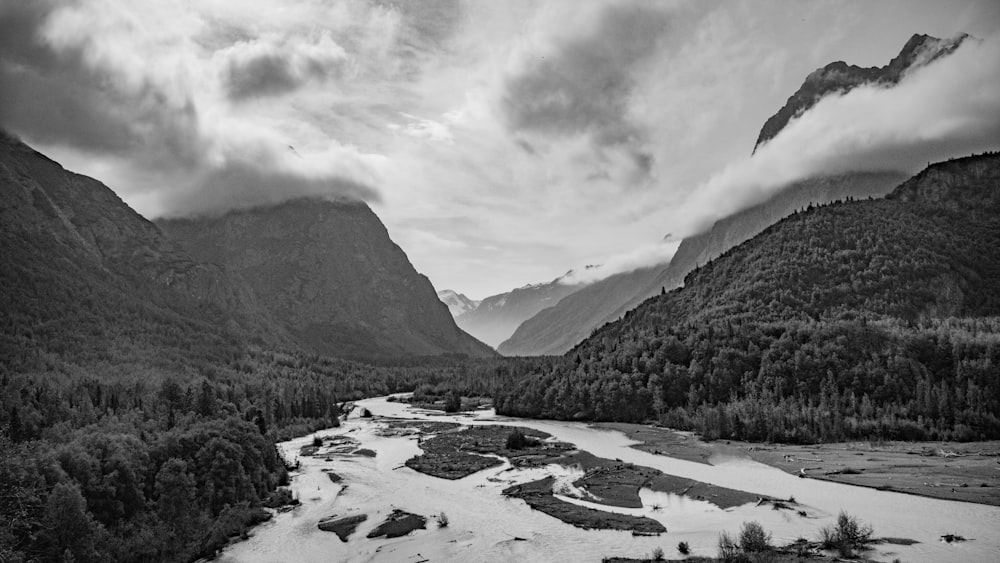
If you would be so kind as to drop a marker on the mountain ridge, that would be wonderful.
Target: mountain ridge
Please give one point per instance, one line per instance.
(331, 275)
(496, 317)
(839, 77)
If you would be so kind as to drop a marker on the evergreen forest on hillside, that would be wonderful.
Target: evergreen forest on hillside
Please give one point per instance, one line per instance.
(859, 319)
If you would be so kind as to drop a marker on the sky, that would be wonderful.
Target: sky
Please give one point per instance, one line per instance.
(501, 143)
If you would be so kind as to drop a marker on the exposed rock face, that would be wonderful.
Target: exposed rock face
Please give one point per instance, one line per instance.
(330, 274)
(839, 77)
(496, 317)
(558, 329)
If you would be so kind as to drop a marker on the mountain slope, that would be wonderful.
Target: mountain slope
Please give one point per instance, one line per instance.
(331, 275)
(497, 316)
(87, 278)
(457, 302)
(886, 312)
(556, 330)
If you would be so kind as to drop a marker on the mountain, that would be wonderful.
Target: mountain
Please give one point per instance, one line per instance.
(559, 328)
(331, 276)
(839, 77)
(127, 362)
(87, 278)
(556, 330)
(884, 312)
(457, 303)
(497, 316)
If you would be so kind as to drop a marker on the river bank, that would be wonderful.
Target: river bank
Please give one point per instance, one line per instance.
(967, 472)
(485, 525)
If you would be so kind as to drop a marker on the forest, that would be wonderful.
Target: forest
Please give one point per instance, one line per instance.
(873, 319)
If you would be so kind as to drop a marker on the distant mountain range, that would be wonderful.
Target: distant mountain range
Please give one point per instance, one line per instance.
(558, 329)
(457, 303)
(313, 275)
(495, 318)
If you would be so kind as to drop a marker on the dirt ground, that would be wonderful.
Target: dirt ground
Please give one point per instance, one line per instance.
(967, 472)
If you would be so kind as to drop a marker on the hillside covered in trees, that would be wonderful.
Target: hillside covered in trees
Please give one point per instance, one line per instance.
(141, 391)
(859, 319)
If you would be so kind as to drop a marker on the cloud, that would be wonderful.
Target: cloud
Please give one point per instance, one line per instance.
(562, 131)
(81, 76)
(644, 256)
(583, 86)
(264, 67)
(947, 108)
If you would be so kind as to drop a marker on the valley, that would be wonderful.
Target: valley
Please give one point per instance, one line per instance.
(469, 281)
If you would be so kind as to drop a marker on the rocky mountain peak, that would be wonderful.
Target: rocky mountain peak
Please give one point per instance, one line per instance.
(839, 77)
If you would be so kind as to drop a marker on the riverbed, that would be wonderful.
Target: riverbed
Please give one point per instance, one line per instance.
(486, 526)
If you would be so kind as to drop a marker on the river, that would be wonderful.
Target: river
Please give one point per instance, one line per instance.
(484, 524)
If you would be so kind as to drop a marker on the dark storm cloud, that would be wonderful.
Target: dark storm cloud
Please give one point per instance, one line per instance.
(46, 95)
(584, 87)
(269, 70)
(58, 96)
(53, 97)
(263, 75)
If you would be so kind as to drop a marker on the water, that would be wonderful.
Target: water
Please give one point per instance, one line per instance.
(484, 524)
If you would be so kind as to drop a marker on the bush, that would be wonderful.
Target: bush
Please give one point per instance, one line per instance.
(317, 442)
(516, 440)
(453, 402)
(657, 554)
(753, 538)
(281, 496)
(684, 548)
(442, 520)
(729, 550)
(848, 535)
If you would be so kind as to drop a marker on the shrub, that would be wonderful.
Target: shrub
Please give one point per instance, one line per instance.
(657, 554)
(753, 538)
(848, 535)
(516, 440)
(729, 550)
(281, 496)
(684, 548)
(317, 442)
(453, 402)
(442, 520)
